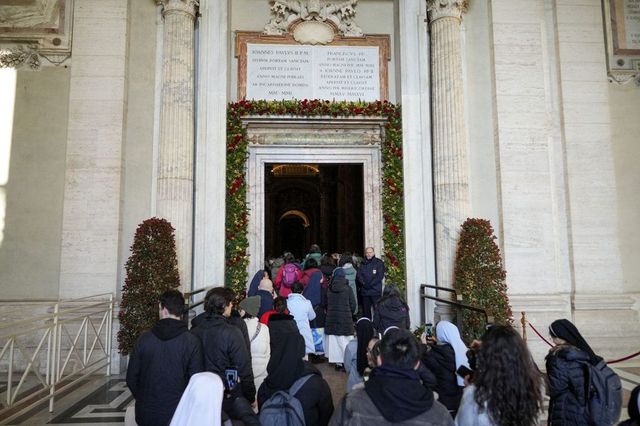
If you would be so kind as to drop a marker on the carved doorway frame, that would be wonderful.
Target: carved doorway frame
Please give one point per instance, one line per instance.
(322, 140)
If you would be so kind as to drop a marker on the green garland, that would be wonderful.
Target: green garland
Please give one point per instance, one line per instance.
(237, 258)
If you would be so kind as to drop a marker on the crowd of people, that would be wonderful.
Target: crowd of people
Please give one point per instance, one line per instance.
(250, 359)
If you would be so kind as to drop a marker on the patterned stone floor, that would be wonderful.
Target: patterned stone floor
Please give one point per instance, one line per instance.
(103, 400)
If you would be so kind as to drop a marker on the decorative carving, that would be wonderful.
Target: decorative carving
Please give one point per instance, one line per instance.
(289, 12)
(623, 78)
(36, 30)
(186, 6)
(18, 57)
(446, 9)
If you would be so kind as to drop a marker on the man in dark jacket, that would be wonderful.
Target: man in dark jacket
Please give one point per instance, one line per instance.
(225, 349)
(161, 363)
(370, 276)
(394, 393)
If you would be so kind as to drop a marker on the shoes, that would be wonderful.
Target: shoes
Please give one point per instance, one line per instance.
(339, 367)
(314, 359)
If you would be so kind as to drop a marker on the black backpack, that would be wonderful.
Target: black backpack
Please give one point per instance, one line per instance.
(604, 394)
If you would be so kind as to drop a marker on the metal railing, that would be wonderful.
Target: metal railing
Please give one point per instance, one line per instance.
(457, 305)
(190, 303)
(54, 351)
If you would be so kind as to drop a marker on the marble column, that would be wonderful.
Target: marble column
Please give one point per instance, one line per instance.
(450, 175)
(174, 198)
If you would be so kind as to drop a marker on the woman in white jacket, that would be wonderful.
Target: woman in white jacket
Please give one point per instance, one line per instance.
(259, 337)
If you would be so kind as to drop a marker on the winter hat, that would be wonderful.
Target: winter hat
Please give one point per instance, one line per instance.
(338, 273)
(251, 305)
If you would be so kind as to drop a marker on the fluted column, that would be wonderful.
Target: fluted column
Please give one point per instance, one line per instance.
(174, 198)
(451, 176)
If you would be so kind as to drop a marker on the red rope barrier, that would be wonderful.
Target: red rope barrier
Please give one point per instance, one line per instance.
(608, 362)
(539, 335)
(623, 359)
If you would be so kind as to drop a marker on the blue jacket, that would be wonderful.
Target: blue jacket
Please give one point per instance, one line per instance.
(370, 276)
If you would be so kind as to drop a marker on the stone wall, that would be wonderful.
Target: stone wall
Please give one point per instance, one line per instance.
(30, 246)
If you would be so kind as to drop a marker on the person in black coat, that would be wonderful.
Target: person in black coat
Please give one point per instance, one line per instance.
(286, 366)
(391, 311)
(633, 409)
(162, 362)
(566, 374)
(338, 327)
(225, 348)
(443, 357)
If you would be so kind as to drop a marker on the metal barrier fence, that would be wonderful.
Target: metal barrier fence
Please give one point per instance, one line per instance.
(44, 355)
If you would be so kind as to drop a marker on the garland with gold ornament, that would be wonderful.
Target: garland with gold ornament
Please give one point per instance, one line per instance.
(237, 243)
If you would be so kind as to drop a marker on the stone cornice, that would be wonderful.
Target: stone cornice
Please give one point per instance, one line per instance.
(446, 9)
(190, 7)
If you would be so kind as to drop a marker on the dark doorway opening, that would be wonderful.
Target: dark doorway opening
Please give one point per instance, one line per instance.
(313, 204)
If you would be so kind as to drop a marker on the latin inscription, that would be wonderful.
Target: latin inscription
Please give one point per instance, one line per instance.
(632, 24)
(312, 72)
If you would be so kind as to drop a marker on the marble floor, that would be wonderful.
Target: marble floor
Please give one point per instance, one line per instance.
(103, 400)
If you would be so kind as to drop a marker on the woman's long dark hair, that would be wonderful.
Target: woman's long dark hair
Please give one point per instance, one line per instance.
(506, 379)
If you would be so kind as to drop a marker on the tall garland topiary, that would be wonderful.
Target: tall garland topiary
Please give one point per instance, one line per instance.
(236, 243)
(151, 269)
(480, 277)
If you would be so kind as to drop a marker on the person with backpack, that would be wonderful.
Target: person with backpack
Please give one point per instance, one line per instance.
(583, 390)
(287, 275)
(291, 382)
(391, 310)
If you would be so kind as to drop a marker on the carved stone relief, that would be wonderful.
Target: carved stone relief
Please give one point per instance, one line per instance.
(313, 22)
(35, 33)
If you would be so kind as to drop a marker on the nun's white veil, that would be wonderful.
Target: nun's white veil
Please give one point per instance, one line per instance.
(446, 332)
(201, 402)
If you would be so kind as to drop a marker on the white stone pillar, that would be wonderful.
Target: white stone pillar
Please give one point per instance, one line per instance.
(174, 200)
(451, 169)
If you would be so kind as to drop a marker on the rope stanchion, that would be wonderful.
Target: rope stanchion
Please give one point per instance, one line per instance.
(614, 361)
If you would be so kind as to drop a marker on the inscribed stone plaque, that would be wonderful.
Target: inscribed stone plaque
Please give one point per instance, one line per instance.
(277, 71)
(622, 20)
(625, 17)
(278, 67)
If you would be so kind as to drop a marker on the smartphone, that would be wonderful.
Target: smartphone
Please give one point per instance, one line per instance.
(428, 330)
(231, 376)
(464, 371)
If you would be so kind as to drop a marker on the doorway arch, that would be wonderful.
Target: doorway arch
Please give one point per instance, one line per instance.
(313, 140)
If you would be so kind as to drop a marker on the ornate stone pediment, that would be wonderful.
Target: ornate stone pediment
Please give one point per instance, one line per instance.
(313, 22)
(35, 32)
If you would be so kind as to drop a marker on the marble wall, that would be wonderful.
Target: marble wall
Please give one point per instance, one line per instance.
(30, 245)
(557, 176)
(97, 102)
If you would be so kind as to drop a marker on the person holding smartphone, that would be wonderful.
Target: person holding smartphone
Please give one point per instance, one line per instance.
(444, 357)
